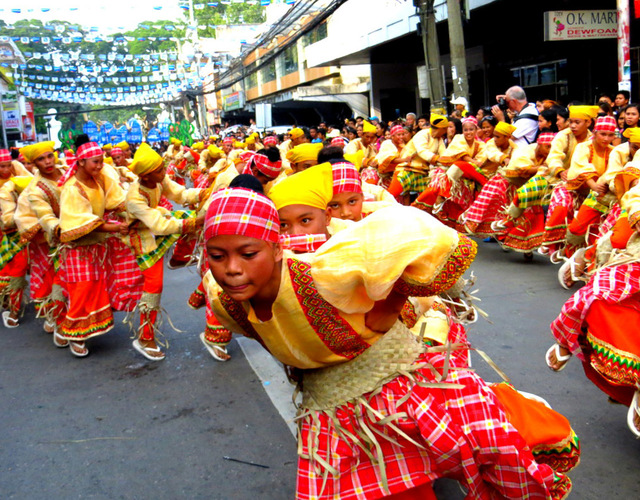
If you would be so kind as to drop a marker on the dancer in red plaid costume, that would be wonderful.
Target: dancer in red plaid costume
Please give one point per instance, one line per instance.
(384, 433)
(87, 258)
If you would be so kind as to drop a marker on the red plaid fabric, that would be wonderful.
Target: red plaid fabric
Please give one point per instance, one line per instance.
(242, 212)
(545, 138)
(83, 263)
(125, 278)
(338, 141)
(69, 157)
(605, 124)
(561, 197)
(41, 267)
(610, 221)
(370, 175)
(228, 140)
(308, 243)
(5, 155)
(465, 434)
(490, 203)
(396, 129)
(470, 119)
(346, 178)
(610, 284)
(270, 140)
(262, 163)
(116, 151)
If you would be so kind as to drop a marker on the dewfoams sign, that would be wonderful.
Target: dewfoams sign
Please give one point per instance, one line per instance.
(580, 25)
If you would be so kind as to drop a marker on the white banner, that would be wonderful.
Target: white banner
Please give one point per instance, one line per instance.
(580, 25)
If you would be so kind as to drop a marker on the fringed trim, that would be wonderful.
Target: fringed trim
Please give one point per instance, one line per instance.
(555, 234)
(561, 457)
(463, 301)
(150, 302)
(54, 306)
(12, 291)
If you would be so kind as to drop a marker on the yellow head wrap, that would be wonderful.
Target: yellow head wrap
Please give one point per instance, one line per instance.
(504, 128)
(633, 134)
(21, 182)
(32, 151)
(107, 147)
(124, 145)
(250, 140)
(175, 142)
(368, 127)
(583, 112)
(214, 150)
(355, 158)
(296, 132)
(145, 161)
(213, 137)
(312, 187)
(304, 152)
(239, 145)
(198, 146)
(438, 121)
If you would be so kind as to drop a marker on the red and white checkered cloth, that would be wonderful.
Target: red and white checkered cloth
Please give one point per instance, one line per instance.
(242, 212)
(489, 204)
(346, 178)
(125, 280)
(396, 129)
(465, 434)
(5, 155)
(86, 151)
(370, 175)
(41, 264)
(262, 164)
(605, 124)
(83, 263)
(270, 140)
(610, 284)
(561, 197)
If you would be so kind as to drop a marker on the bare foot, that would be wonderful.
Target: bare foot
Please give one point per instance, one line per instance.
(554, 364)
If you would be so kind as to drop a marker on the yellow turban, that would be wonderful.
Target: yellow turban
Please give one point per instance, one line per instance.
(504, 128)
(107, 147)
(145, 161)
(250, 140)
(304, 152)
(633, 134)
(239, 145)
(175, 142)
(296, 132)
(583, 112)
(368, 127)
(312, 187)
(124, 145)
(213, 137)
(214, 150)
(198, 146)
(355, 158)
(438, 121)
(32, 151)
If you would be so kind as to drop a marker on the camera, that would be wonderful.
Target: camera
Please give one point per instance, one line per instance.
(502, 104)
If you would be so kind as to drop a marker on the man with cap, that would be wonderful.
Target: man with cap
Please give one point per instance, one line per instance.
(425, 148)
(156, 229)
(460, 104)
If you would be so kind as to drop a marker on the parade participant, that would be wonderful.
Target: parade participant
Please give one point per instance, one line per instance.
(208, 159)
(14, 259)
(126, 149)
(87, 259)
(155, 230)
(561, 207)
(106, 149)
(452, 191)
(39, 215)
(425, 148)
(366, 144)
(521, 226)
(303, 156)
(496, 193)
(296, 137)
(265, 165)
(329, 317)
(392, 155)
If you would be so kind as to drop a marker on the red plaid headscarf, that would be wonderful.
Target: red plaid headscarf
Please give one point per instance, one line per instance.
(338, 141)
(346, 178)
(5, 155)
(69, 157)
(262, 163)
(242, 212)
(86, 151)
(116, 151)
(470, 119)
(396, 129)
(605, 124)
(270, 140)
(228, 140)
(546, 138)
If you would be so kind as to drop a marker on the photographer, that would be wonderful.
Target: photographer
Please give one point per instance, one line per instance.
(526, 119)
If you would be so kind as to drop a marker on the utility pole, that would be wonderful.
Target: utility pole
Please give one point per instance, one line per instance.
(624, 42)
(456, 44)
(431, 52)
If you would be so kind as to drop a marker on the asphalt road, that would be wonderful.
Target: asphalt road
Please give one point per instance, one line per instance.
(114, 425)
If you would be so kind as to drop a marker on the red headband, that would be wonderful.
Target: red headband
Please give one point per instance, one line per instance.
(605, 124)
(117, 151)
(396, 129)
(86, 151)
(346, 178)
(228, 140)
(5, 155)
(470, 119)
(338, 141)
(546, 138)
(270, 140)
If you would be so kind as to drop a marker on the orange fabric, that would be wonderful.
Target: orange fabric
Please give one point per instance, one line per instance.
(470, 172)
(395, 188)
(537, 424)
(586, 217)
(183, 249)
(89, 310)
(17, 266)
(153, 278)
(622, 231)
(428, 196)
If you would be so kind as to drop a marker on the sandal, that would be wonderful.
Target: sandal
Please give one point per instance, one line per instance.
(59, 340)
(565, 275)
(49, 326)
(633, 410)
(81, 353)
(214, 350)
(145, 351)
(8, 321)
(557, 257)
(498, 226)
(555, 349)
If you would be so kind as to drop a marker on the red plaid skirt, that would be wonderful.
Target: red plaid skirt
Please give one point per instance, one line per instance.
(126, 280)
(489, 205)
(42, 270)
(463, 434)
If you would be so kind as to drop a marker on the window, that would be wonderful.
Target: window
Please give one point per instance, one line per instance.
(315, 35)
(269, 72)
(291, 59)
(550, 73)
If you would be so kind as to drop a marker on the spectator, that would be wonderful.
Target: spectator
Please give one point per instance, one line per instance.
(461, 105)
(622, 99)
(526, 115)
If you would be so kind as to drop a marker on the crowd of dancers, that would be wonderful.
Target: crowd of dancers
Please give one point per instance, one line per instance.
(309, 246)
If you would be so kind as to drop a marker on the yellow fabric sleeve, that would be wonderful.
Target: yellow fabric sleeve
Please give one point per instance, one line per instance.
(631, 203)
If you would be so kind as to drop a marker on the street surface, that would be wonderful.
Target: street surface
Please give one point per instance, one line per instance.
(114, 425)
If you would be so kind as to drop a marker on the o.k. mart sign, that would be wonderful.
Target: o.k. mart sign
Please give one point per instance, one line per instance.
(580, 25)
